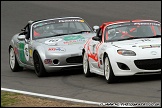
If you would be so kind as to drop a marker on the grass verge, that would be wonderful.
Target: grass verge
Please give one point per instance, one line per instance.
(9, 99)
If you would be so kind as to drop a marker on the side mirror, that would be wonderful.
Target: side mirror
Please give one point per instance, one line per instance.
(96, 38)
(95, 28)
(21, 37)
(23, 29)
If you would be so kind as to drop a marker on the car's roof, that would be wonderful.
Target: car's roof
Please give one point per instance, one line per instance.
(126, 21)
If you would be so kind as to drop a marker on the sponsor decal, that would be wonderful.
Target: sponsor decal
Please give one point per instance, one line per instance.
(143, 40)
(81, 20)
(51, 41)
(30, 52)
(136, 24)
(150, 46)
(59, 21)
(42, 24)
(68, 38)
(57, 49)
(151, 24)
(74, 39)
(71, 20)
(118, 25)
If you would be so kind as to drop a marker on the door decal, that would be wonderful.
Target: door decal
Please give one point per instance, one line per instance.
(21, 52)
(26, 52)
(94, 53)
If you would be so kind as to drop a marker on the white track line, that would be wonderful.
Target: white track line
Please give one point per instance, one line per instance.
(50, 96)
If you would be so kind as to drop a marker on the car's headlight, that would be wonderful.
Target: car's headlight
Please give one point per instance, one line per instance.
(126, 52)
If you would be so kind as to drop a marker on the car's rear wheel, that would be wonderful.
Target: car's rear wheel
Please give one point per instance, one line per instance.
(14, 65)
(108, 72)
(86, 68)
(38, 65)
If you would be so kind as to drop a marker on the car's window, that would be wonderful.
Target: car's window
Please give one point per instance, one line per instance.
(58, 27)
(132, 30)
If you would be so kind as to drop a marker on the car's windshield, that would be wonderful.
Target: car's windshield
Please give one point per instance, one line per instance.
(132, 31)
(59, 27)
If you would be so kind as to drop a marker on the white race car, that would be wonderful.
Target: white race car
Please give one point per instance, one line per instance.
(124, 48)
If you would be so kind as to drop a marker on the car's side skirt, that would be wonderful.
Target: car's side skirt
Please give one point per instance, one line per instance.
(96, 70)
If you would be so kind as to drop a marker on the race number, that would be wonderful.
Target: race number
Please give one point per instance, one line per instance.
(26, 52)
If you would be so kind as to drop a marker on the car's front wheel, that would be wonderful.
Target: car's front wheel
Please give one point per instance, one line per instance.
(108, 72)
(14, 65)
(38, 65)
(86, 69)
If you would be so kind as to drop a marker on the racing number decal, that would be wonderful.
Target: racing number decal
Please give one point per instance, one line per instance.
(23, 52)
(26, 52)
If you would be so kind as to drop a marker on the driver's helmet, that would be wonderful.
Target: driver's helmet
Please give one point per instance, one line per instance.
(46, 28)
(112, 32)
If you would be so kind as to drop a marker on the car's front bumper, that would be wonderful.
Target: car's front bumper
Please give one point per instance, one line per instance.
(65, 67)
(140, 67)
(64, 61)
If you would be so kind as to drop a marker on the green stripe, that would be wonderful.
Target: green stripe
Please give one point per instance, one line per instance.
(21, 52)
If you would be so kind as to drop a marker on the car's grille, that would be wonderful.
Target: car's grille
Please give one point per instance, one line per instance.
(148, 64)
(76, 59)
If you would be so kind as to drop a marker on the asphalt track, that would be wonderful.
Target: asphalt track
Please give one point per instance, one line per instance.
(73, 84)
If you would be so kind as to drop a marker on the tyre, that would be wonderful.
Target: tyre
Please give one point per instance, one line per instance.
(108, 72)
(38, 65)
(14, 65)
(86, 68)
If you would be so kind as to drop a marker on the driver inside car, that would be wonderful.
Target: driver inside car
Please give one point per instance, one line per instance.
(112, 33)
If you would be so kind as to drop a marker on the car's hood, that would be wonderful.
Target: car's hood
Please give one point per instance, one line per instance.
(136, 43)
(66, 39)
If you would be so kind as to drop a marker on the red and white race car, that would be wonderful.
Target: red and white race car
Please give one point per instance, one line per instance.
(124, 48)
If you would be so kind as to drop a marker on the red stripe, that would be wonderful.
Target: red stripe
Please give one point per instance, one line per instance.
(106, 35)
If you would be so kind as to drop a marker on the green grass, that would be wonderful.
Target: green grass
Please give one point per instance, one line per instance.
(8, 98)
